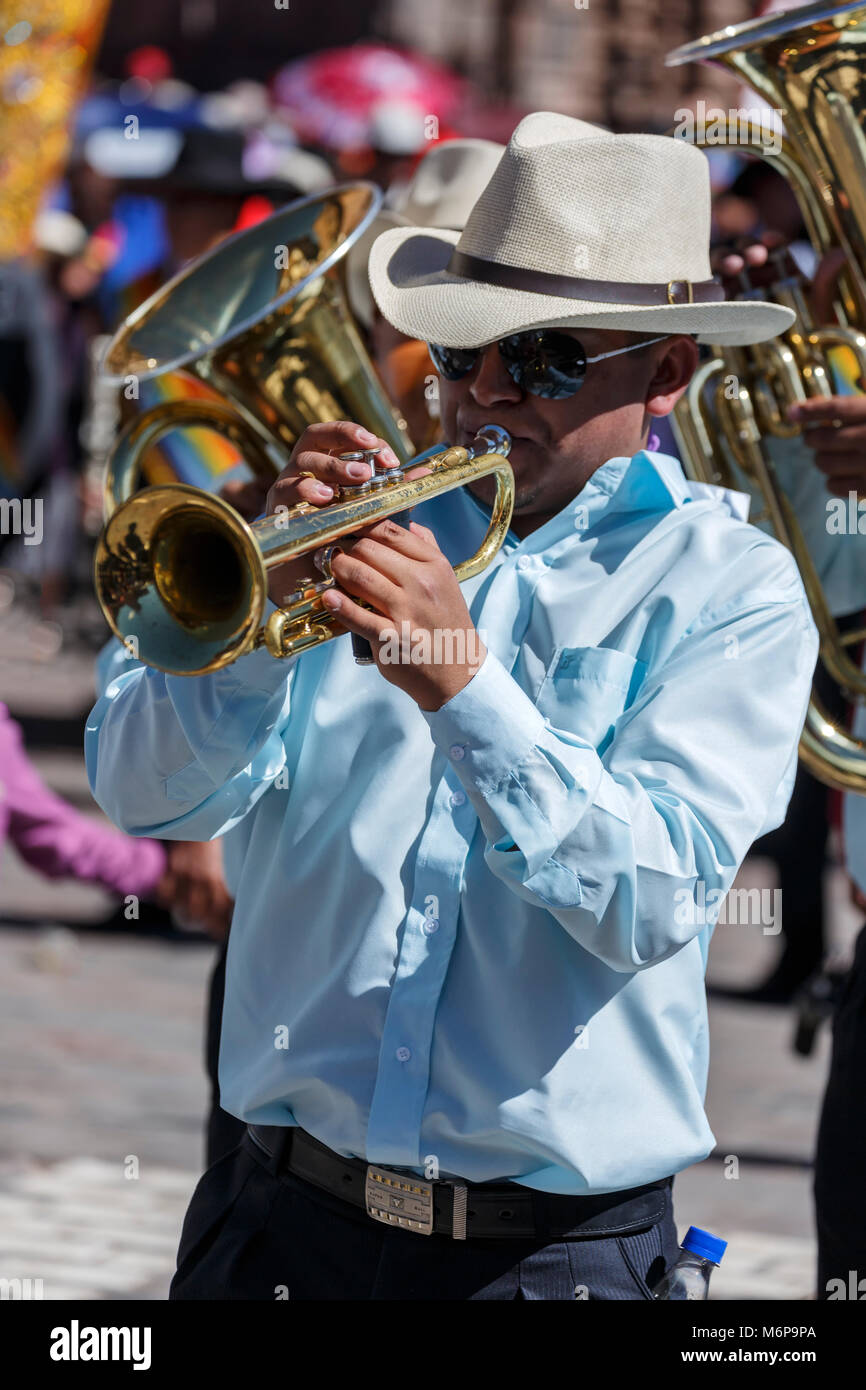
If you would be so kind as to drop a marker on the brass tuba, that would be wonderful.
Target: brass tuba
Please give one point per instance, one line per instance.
(263, 321)
(811, 67)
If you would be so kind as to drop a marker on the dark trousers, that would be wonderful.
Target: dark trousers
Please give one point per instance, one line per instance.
(252, 1234)
(224, 1131)
(840, 1158)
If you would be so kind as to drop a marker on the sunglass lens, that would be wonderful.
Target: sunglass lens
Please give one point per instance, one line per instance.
(545, 363)
(453, 363)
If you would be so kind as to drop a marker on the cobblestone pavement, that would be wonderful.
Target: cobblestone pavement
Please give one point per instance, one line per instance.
(102, 1092)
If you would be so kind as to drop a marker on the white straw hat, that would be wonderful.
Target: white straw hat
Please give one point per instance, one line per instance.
(577, 228)
(441, 193)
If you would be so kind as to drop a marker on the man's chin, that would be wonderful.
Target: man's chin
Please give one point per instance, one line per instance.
(525, 496)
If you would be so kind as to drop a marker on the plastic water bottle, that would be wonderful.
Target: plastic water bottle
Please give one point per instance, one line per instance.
(700, 1252)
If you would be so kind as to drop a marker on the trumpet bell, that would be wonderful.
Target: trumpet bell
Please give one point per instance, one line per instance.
(180, 580)
(183, 580)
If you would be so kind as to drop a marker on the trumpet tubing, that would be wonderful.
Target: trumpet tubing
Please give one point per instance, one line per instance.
(182, 579)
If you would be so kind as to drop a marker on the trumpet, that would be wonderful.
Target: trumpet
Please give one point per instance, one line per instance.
(182, 579)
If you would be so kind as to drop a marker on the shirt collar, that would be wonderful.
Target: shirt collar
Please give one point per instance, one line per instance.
(645, 482)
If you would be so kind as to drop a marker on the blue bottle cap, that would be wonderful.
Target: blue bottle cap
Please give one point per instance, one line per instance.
(705, 1244)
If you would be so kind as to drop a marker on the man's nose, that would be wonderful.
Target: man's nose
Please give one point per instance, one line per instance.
(491, 382)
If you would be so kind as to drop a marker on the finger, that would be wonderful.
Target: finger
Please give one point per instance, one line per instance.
(166, 888)
(311, 490)
(827, 440)
(197, 901)
(773, 239)
(850, 464)
(374, 626)
(728, 263)
(842, 486)
(755, 254)
(425, 534)
(329, 468)
(394, 564)
(217, 926)
(420, 472)
(318, 445)
(396, 537)
(848, 409)
(356, 577)
(334, 436)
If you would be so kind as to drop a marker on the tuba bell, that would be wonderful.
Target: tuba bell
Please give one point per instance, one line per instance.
(260, 322)
(812, 68)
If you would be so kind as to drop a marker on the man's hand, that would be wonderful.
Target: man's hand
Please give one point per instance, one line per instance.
(407, 580)
(313, 455)
(193, 886)
(762, 262)
(835, 427)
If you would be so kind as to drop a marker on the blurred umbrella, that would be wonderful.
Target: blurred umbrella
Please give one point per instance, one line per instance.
(365, 94)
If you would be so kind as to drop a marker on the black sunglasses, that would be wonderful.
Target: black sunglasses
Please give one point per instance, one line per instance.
(540, 361)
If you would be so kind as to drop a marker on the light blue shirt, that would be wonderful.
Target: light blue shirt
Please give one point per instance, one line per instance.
(404, 984)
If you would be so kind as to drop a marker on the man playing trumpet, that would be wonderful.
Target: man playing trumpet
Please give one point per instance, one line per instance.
(465, 1017)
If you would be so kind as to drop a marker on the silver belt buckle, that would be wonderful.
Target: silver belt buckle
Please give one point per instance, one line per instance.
(399, 1199)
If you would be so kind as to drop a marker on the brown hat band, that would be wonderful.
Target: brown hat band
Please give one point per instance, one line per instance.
(512, 277)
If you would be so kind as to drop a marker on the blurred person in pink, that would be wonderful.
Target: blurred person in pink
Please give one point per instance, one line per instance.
(58, 841)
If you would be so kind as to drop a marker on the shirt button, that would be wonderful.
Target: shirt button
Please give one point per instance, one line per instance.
(458, 798)
(524, 562)
(403, 1054)
(431, 924)
(457, 751)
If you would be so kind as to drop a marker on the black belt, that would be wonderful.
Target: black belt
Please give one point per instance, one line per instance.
(451, 1207)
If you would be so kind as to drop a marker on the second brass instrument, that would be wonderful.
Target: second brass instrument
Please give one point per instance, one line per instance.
(263, 321)
(809, 65)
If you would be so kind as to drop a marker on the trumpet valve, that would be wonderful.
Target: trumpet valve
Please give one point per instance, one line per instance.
(380, 476)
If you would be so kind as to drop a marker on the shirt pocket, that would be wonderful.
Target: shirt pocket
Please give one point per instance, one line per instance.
(586, 689)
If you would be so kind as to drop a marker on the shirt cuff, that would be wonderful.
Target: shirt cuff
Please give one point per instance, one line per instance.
(488, 727)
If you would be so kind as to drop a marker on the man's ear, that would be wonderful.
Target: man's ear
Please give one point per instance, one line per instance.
(675, 368)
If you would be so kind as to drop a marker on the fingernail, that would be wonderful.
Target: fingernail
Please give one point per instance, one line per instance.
(332, 598)
(322, 490)
(388, 456)
(365, 437)
(358, 470)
